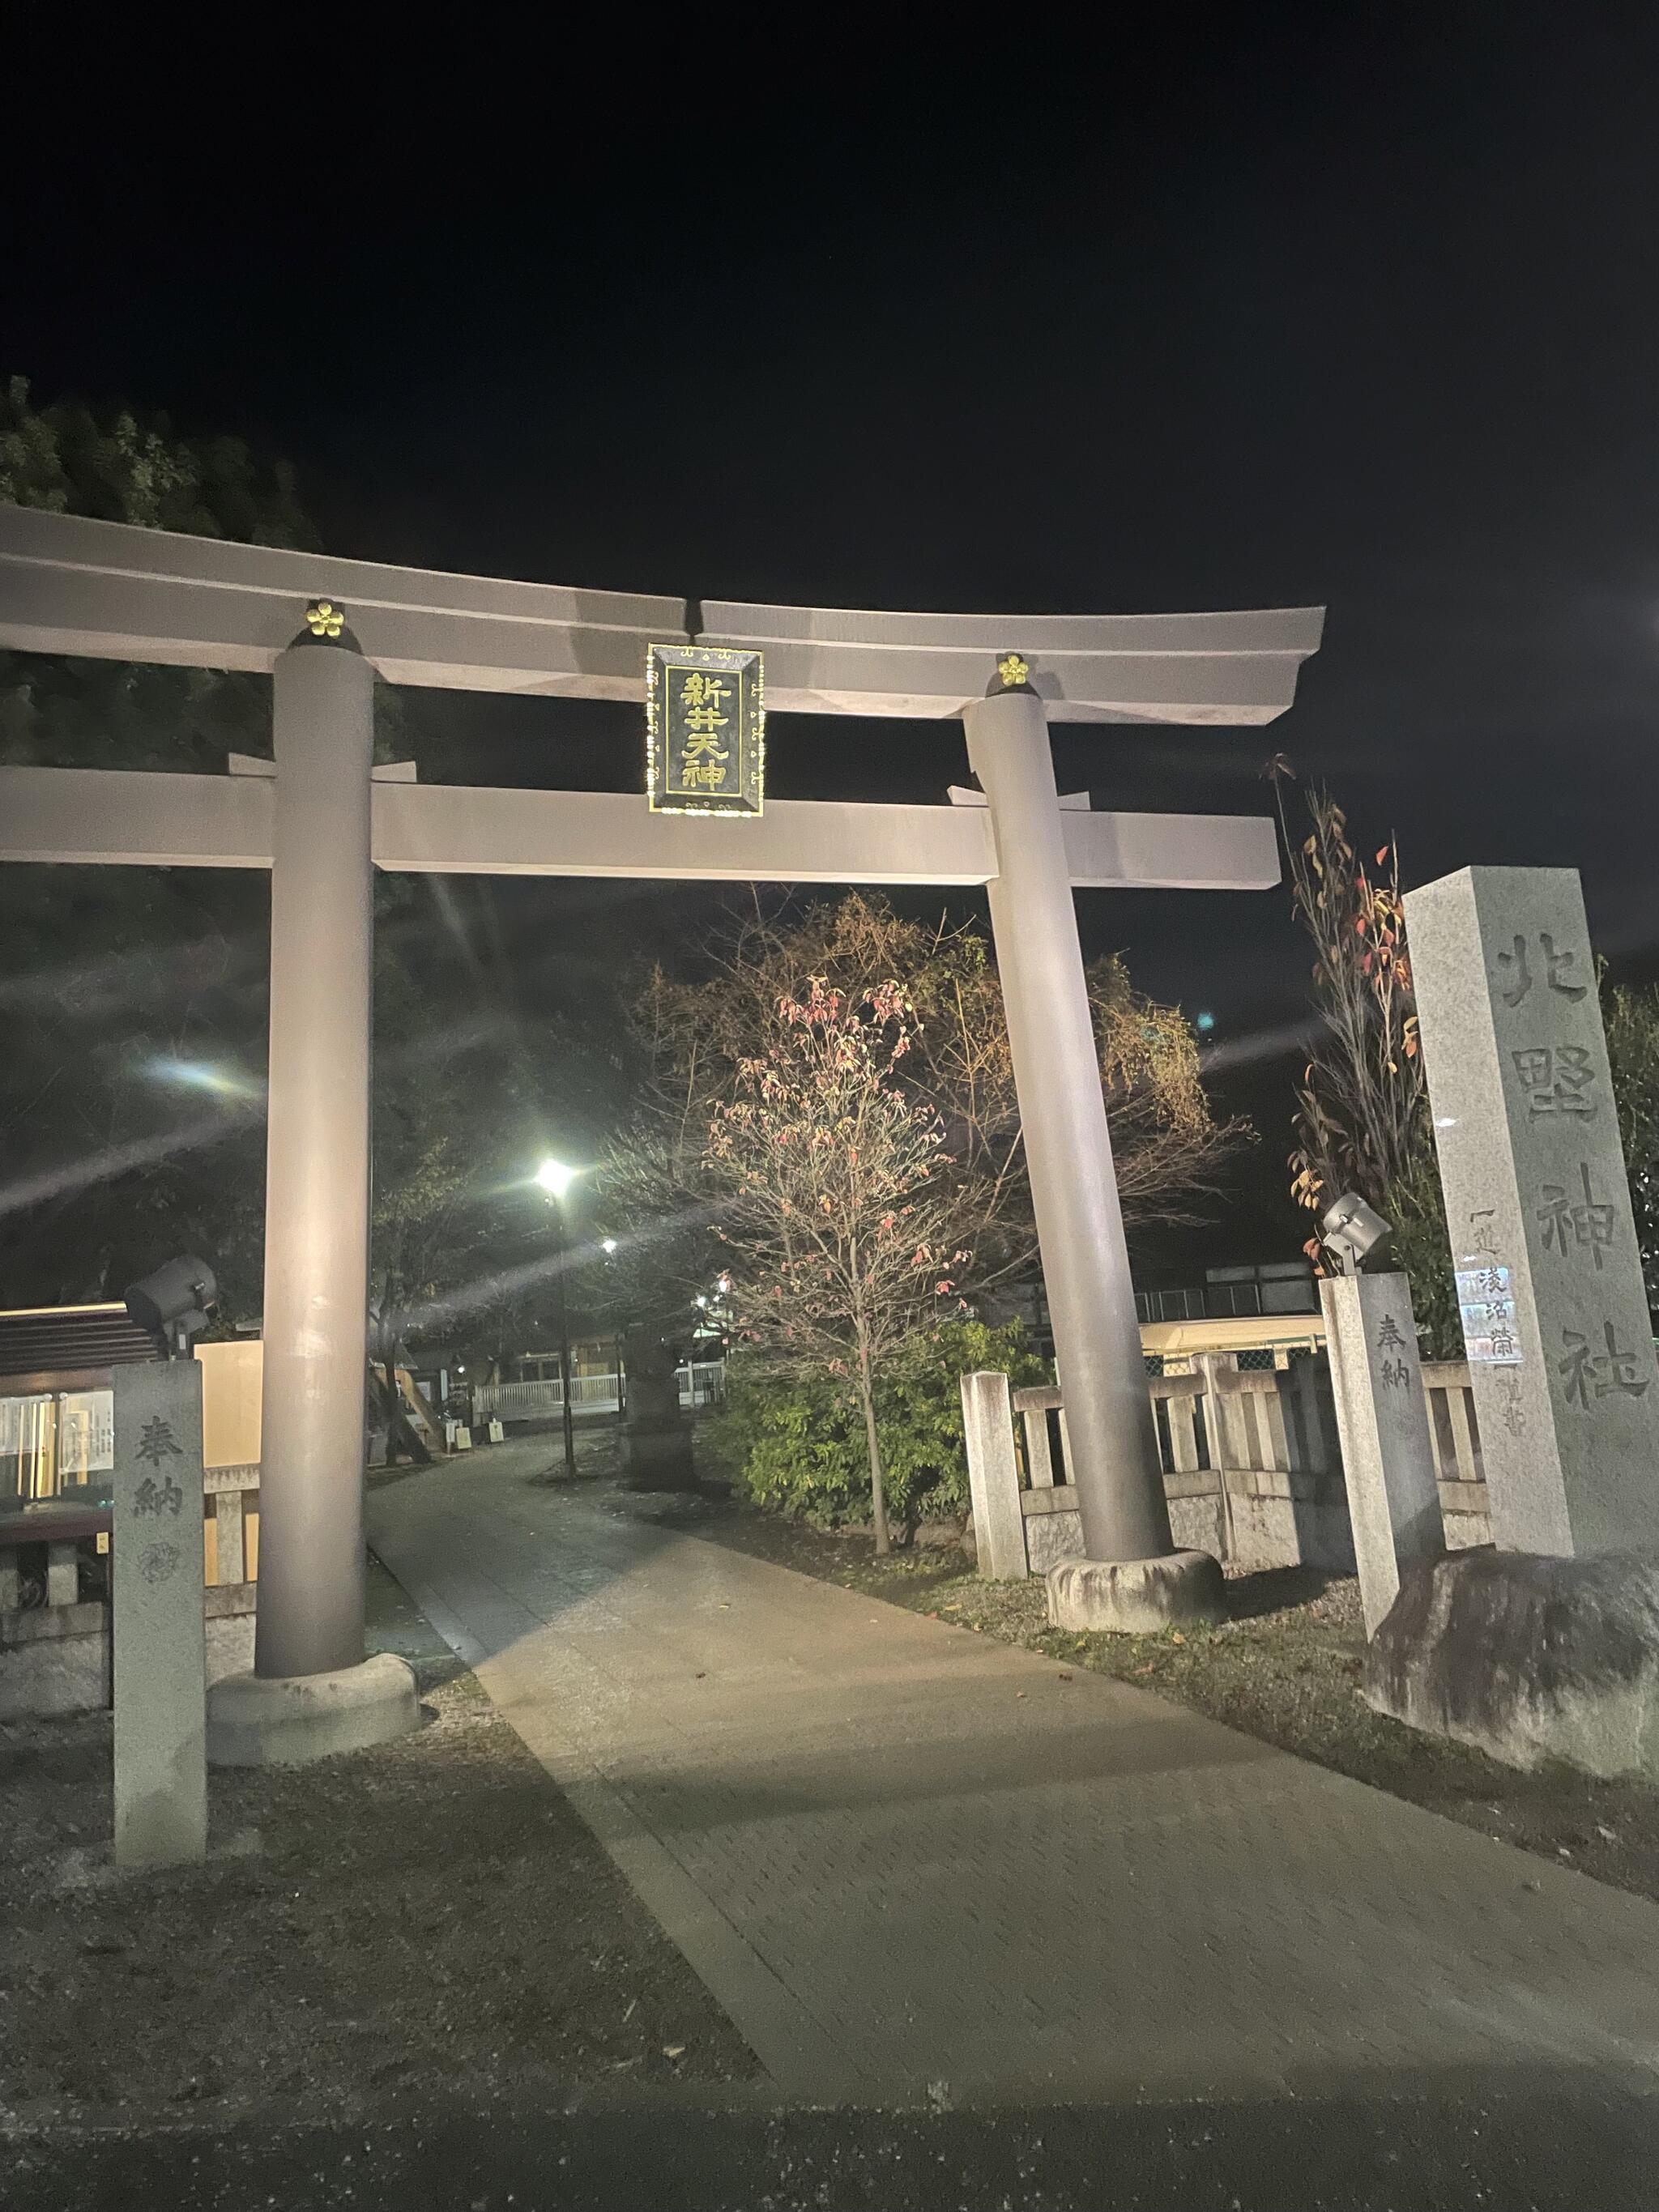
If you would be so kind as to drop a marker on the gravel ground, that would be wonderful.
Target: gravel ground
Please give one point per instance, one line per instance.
(1286, 1668)
(425, 1921)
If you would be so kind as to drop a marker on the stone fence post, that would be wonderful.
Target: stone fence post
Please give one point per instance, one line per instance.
(987, 1427)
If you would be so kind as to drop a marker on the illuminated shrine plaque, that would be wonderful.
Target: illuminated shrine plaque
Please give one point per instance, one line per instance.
(705, 712)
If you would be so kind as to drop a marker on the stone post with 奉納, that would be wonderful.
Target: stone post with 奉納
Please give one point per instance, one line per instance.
(158, 1632)
(1549, 1272)
(1383, 1419)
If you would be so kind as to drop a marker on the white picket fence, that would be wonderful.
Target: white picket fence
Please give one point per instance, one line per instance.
(1252, 1465)
(543, 1400)
(701, 1383)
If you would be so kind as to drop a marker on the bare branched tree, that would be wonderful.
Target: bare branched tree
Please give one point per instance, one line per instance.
(835, 1204)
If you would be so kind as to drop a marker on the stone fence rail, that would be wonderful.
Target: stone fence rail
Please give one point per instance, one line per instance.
(1252, 1466)
(55, 1649)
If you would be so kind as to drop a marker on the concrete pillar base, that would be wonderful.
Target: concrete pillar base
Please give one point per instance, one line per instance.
(1137, 1597)
(263, 1720)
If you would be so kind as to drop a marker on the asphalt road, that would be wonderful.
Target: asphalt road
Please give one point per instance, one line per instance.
(1528, 2146)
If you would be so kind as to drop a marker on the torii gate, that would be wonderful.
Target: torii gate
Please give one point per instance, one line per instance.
(321, 818)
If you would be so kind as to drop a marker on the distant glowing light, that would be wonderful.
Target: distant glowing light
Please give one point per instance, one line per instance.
(554, 1177)
(607, 1244)
(1205, 1024)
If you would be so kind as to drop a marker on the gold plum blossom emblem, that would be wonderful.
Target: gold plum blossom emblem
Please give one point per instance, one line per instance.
(1014, 670)
(325, 618)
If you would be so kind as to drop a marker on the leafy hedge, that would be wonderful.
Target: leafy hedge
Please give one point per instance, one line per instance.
(796, 1443)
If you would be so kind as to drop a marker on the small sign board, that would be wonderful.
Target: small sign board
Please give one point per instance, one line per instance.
(705, 718)
(1486, 1299)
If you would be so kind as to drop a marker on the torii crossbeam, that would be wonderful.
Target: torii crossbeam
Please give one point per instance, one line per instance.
(320, 818)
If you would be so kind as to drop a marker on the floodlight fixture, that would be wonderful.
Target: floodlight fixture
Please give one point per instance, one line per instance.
(174, 1303)
(1356, 1233)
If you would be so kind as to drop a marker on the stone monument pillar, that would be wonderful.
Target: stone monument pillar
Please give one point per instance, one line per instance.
(310, 1619)
(1130, 1557)
(159, 1636)
(1549, 1275)
(1382, 1420)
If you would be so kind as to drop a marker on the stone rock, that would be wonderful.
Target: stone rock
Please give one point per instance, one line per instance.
(1527, 1658)
(937, 1536)
(1137, 1597)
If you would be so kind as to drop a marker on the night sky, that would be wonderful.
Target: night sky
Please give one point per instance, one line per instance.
(1243, 311)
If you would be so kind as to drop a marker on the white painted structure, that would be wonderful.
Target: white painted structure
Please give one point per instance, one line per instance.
(71, 585)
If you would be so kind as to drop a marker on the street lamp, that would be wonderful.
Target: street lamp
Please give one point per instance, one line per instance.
(556, 1178)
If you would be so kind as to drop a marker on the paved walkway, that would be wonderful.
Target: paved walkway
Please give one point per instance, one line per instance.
(907, 1858)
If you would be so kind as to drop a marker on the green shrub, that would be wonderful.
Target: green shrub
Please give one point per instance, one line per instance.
(796, 1443)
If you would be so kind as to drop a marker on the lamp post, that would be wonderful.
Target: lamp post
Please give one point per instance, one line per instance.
(556, 1179)
(608, 1246)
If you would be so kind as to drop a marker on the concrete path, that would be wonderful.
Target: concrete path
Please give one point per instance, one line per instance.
(911, 1861)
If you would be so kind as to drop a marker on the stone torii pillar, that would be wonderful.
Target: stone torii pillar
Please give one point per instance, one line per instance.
(310, 1689)
(1130, 1576)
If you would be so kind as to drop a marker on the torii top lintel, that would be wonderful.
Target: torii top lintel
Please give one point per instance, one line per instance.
(111, 591)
